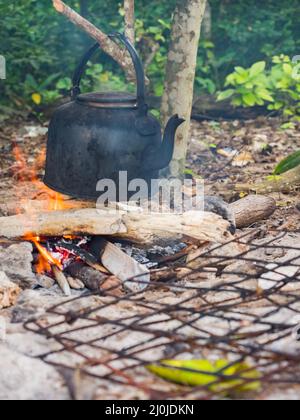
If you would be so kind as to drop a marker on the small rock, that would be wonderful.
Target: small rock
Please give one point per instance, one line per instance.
(16, 262)
(45, 281)
(9, 291)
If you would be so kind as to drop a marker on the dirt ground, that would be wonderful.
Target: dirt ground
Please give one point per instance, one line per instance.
(224, 154)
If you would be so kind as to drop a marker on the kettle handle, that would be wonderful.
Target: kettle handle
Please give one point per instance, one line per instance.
(138, 66)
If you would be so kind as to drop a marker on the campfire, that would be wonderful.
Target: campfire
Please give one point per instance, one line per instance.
(78, 246)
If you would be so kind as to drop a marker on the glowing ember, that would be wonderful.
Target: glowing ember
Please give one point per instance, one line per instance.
(47, 255)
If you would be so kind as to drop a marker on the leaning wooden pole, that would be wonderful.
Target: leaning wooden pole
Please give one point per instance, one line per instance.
(107, 45)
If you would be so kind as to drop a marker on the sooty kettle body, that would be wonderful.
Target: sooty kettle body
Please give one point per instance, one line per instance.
(98, 135)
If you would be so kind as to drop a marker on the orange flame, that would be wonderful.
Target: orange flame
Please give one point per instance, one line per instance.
(55, 201)
(45, 258)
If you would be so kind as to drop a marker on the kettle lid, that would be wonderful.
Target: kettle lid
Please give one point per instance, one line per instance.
(108, 99)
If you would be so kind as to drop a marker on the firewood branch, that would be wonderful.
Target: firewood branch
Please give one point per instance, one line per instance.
(146, 228)
(108, 46)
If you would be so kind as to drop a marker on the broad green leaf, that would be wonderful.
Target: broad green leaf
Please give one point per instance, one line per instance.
(260, 101)
(249, 99)
(288, 69)
(65, 83)
(241, 71)
(288, 126)
(225, 94)
(237, 102)
(287, 164)
(264, 94)
(257, 68)
(217, 376)
(241, 78)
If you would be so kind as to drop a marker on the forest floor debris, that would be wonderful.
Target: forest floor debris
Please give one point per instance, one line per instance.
(182, 298)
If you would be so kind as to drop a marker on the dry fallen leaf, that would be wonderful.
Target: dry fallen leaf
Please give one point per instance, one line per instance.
(243, 159)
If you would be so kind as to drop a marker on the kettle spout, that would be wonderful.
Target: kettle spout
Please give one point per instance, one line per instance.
(161, 157)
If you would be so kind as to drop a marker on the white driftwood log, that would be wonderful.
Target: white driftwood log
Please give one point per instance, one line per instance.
(140, 227)
(247, 211)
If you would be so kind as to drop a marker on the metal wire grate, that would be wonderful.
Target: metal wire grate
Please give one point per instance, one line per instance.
(243, 308)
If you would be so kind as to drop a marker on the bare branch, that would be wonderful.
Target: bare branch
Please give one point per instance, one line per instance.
(129, 20)
(151, 56)
(112, 49)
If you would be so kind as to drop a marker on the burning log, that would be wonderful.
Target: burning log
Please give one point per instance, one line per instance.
(94, 280)
(145, 228)
(83, 255)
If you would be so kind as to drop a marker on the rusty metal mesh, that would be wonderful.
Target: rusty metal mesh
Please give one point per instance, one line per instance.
(244, 309)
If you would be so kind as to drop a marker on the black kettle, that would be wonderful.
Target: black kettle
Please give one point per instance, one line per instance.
(98, 135)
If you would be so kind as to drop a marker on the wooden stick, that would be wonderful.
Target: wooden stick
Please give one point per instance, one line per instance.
(61, 280)
(110, 47)
(129, 20)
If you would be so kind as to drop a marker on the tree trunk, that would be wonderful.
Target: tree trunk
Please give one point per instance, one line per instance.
(180, 74)
(129, 20)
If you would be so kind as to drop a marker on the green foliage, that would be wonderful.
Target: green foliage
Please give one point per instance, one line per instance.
(245, 32)
(38, 42)
(285, 83)
(278, 87)
(206, 68)
(288, 163)
(249, 87)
